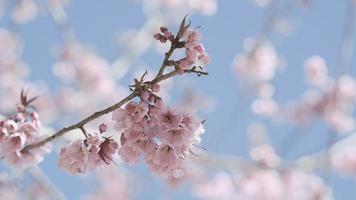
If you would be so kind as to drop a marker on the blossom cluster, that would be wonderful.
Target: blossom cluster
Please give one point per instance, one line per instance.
(86, 80)
(264, 180)
(162, 135)
(195, 53)
(194, 50)
(255, 70)
(89, 154)
(112, 183)
(266, 184)
(18, 131)
(330, 99)
(85, 69)
(24, 11)
(343, 159)
(12, 69)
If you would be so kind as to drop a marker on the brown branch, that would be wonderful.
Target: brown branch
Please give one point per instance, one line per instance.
(107, 110)
(84, 131)
(166, 58)
(138, 88)
(81, 123)
(174, 45)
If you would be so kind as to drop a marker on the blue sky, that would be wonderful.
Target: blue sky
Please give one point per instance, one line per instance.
(317, 30)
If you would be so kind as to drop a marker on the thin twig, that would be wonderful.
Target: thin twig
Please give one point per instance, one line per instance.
(84, 131)
(81, 123)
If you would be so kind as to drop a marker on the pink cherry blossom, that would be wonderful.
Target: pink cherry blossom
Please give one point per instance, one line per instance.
(265, 155)
(163, 136)
(257, 65)
(343, 159)
(332, 102)
(265, 184)
(316, 71)
(24, 11)
(112, 183)
(72, 158)
(194, 50)
(19, 130)
(87, 155)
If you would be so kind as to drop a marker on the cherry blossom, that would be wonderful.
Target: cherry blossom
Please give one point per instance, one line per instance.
(24, 11)
(114, 184)
(86, 155)
(160, 134)
(343, 159)
(266, 181)
(332, 102)
(21, 129)
(316, 71)
(255, 70)
(194, 50)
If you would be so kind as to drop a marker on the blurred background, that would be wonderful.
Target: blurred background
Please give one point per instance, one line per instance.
(120, 34)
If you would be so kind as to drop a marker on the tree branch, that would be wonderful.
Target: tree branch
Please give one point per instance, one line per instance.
(107, 110)
(138, 88)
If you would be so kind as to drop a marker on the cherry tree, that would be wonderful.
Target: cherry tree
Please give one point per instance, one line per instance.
(105, 118)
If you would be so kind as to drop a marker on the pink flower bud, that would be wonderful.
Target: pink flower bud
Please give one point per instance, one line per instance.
(163, 29)
(103, 128)
(160, 37)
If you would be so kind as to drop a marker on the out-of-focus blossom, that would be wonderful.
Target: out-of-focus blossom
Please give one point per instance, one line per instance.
(316, 71)
(257, 65)
(194, 101)
(24, 11)
(332, 102)
(264, 107)
(255, 69)
(114, 184)
(88, 82)
(261, 3)
(13, 73)
(8, 189)
(13, 70)
(220, 187)
(264, 180)
(85, 69)
(265, 155)
(265, 184)
(344, 159)
(283, 26)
